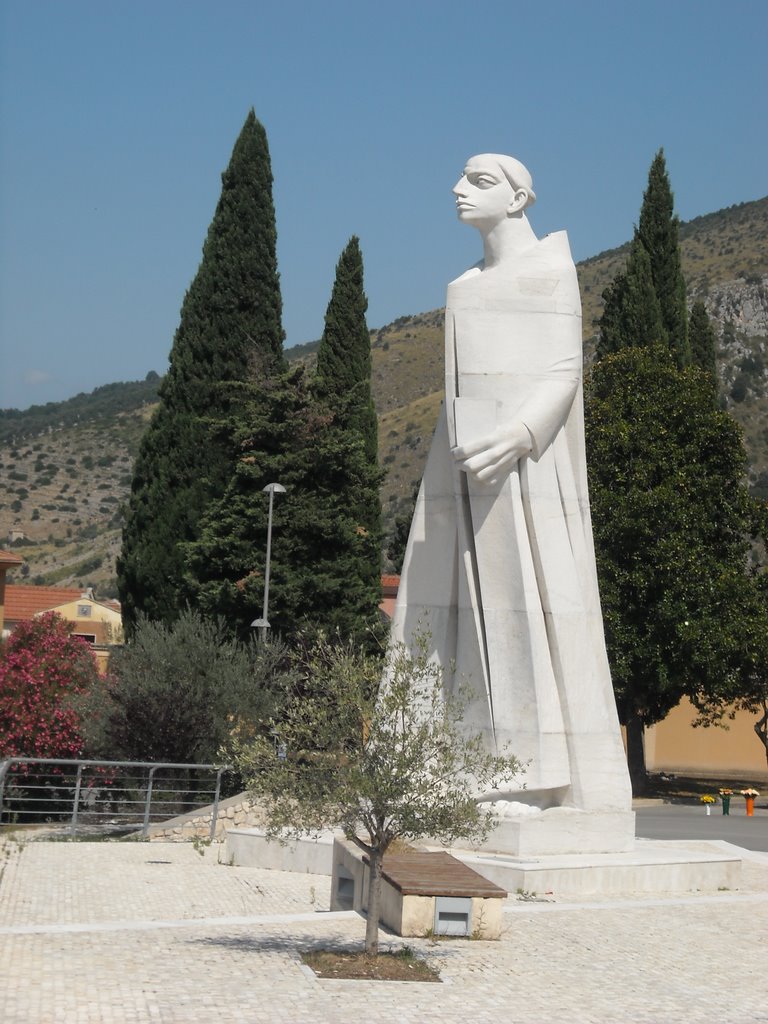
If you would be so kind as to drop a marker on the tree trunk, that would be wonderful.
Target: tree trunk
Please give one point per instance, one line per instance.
(375, 860)
(636, 754)
(761, 729)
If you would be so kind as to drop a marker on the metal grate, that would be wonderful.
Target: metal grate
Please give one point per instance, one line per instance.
(453, 915)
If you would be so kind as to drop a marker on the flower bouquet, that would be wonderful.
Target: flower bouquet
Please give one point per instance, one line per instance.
(725, 797)
(708, 800)
(749, 795)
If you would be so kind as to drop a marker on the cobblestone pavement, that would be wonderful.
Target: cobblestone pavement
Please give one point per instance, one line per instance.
(135, 933)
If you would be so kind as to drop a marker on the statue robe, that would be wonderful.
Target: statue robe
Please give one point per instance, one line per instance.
(503, 575)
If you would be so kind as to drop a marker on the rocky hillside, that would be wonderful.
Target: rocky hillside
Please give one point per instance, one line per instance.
(65, 468)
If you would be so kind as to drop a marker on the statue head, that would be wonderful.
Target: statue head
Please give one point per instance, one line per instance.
(493, 188)
(518, 176)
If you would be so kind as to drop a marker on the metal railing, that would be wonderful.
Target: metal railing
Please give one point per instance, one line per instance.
(105, 796)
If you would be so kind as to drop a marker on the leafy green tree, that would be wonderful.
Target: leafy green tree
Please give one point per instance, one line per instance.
(379, 768)
(658, 231)
(230, 331)
(746, 688)
(752, 691)
(703, 341)
(177, 693)
(322, 549)
(670, 516)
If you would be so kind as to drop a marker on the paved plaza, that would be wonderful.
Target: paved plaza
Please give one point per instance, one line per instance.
(128, 933)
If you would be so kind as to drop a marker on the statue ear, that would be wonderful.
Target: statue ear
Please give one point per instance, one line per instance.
(519, 201)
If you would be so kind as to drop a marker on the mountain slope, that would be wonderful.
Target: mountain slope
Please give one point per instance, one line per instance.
(65, 468)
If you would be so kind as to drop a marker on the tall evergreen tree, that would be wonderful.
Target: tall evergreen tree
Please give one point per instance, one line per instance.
(344, 354)
(230, 330)
(631, 314)
(658, 233)
(646, 302)
(343, 382)
(703, 341)
(318, 438)
(321, 554)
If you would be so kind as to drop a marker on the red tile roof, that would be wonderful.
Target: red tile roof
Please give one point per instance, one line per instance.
(8, 560)
(390, 581)
(23, 602)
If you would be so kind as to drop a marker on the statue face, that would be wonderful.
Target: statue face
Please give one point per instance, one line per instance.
(484, 196)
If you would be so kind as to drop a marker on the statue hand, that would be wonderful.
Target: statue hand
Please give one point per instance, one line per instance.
(490, 456)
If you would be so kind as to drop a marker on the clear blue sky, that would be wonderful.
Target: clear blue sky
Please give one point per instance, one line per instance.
(116, 120)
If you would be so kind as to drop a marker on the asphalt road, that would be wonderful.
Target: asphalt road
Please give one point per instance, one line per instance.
(685, 821)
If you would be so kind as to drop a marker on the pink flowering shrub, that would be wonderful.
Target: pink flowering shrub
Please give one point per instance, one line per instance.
(42, 666)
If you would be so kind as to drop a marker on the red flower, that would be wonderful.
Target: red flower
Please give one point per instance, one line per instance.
(41, 666)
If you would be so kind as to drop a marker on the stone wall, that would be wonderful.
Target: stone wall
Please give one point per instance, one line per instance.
(235, 812)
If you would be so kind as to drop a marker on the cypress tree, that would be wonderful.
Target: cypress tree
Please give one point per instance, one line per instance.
(318, 438)
(325, 565)
(632, 314)
(703, 341)
(645, 303)
(343, 381)
(658, 233)
(229, 331)
(344, 355)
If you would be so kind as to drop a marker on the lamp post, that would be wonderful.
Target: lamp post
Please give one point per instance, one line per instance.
(263, 622)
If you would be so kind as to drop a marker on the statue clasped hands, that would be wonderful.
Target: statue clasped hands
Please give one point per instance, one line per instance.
(494, 455)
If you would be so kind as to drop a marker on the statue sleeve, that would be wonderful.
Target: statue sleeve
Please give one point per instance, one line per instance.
(551, 386)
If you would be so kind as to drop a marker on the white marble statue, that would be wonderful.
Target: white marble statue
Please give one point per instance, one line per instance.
(500, 564)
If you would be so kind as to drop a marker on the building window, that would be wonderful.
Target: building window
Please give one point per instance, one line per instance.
(90, 637)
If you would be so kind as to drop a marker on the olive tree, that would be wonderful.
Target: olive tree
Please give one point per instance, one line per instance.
(178, 692)
(379, 766)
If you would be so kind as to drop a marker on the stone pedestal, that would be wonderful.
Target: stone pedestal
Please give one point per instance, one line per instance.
(563, 830)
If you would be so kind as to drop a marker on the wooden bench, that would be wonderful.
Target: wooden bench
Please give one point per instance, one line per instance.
(422, 893)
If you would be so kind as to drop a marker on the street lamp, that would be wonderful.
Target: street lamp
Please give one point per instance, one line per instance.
(263, 622)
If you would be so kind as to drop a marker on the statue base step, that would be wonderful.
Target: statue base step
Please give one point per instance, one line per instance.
(563, 830)
(653, 866)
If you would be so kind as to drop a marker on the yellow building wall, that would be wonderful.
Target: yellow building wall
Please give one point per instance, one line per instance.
(734, 753)
(104, 623)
